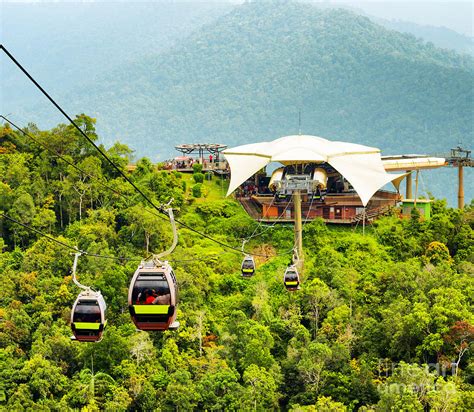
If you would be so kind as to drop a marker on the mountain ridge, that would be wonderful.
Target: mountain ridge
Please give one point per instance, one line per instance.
(198, 54)
(247, 75)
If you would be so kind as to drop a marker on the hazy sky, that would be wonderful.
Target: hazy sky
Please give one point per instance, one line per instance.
(456, 15)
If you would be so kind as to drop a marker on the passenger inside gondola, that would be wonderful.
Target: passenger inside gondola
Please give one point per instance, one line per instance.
(150, 297)
(291, 277)
(248, 264)
(151, 291)
(87, 312)
(162, 299)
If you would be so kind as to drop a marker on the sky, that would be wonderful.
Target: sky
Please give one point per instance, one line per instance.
(456, 15)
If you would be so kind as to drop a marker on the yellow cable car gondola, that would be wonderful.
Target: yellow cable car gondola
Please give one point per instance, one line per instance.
(291, 278)
(153, 297)
(88, 312)
(88, 316)
(248, 266)
(153, 291)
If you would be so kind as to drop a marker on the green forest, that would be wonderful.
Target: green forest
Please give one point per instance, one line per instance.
(245, 76)
(383, 321)
(234, 75)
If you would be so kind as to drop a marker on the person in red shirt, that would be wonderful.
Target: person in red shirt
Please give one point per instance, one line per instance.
(150, 297)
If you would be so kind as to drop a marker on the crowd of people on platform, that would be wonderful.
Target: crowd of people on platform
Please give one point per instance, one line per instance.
(210, 162)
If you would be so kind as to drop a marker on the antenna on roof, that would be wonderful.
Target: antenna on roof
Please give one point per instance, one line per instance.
(299, 122)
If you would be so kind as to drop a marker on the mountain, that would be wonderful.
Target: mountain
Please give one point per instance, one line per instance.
(439, 36)
(245, 76)
(68, 44)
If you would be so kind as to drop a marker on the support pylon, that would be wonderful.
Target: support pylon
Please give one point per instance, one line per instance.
(460, 187)
(409, 185)
(298, 228)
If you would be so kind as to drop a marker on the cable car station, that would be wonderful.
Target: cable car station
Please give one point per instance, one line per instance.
(327, 193)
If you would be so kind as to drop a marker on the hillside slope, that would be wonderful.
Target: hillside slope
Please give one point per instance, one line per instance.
(246, 76)
(68, 44)
(439, 36)
(374, 310)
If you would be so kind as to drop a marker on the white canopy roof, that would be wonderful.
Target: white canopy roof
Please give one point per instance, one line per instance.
(360, 165)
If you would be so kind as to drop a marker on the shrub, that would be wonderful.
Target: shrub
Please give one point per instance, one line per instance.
(198, 177)
(209, 175)
(197, 190)
(197, 167)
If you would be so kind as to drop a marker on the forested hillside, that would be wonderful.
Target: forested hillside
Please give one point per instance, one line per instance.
(243, 77)
(69, 44)
(382, 321)
(246, 76)
(439, 36)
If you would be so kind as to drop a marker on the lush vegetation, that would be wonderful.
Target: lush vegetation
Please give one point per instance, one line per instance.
(376, 318)
(439, 36)
(245, 76)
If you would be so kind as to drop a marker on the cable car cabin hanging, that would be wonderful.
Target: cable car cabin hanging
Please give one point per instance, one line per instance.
(88, 316)
(153, 297)
(248, 266)
(291, 278)
(88, 312)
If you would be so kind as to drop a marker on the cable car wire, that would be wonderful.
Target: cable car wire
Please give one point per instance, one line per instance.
(93, 177)
(52, 239)
(269, 226)
(104, 155)
(64, 159)
(84, 252)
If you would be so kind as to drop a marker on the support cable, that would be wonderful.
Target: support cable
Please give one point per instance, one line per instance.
(64, 159)
(159, 209)
(83, 252)
(52, 239)
(267, 228)
(104, 155)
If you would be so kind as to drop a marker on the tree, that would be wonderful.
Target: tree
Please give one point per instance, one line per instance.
(461, 338)
(181, 393)
(316, 296)
(261, 389)
(312, 364)
(43, 379)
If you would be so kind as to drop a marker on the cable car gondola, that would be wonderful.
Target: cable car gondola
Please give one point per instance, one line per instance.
(153, 297)
(248, 266)
(291, 278)
(88, 316)
(88, 312)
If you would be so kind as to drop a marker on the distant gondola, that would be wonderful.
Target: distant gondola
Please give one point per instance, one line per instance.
(88, 316)
(248, 266)
(153, 297)
(291, 278)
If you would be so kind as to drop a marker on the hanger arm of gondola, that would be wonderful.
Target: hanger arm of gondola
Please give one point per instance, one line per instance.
(74, 270)
(175, 235)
